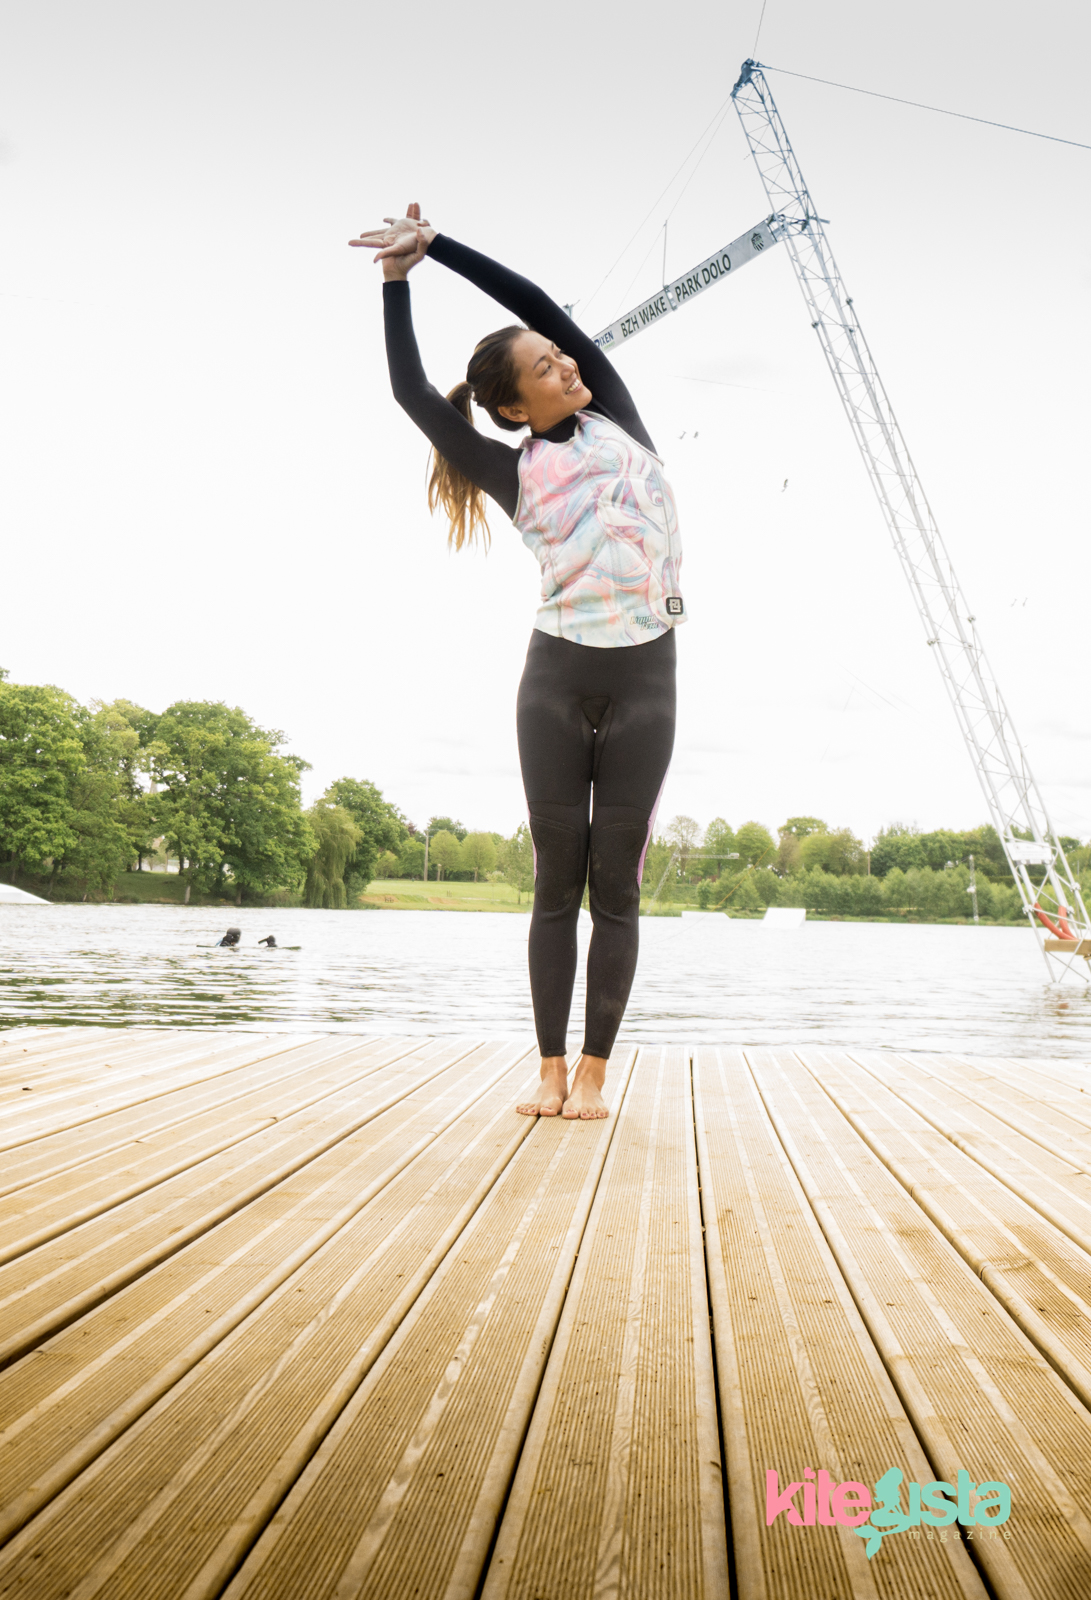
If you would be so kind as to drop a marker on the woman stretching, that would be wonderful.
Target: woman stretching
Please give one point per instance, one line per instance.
(595, 711)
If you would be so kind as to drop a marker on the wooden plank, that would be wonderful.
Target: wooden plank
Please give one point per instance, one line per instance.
(623, 1451)
(431, 1438)
(62, 1407)
(801, 1383)
(46, 1289)
(57, 1201)
(1039, 1276)
(148, 1075)
(980, 1396)
(1054, 1186)
(162, 1119)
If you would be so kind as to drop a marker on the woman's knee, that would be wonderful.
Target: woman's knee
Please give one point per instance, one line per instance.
(617, 846)
(560, 862)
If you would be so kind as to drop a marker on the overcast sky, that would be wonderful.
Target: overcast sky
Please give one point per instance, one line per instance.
(208, 492)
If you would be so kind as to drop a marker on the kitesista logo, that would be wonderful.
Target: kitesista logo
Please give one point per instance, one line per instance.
(935, 1505)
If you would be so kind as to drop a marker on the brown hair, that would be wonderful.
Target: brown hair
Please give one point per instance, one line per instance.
(492, 381)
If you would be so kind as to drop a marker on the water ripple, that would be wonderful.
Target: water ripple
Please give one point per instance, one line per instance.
(705, 979)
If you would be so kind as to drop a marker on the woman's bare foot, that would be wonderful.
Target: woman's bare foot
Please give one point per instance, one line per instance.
(586, 1100)
(554, 1090)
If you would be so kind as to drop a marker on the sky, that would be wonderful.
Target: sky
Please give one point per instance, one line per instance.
(208, 493)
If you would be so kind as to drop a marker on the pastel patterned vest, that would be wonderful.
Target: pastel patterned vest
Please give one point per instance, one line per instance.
(600, 517)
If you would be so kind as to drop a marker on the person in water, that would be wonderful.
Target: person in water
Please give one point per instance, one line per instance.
(231, 938)
(269, 942)
(596, 705)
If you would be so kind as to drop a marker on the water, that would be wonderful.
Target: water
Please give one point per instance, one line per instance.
(709, 979)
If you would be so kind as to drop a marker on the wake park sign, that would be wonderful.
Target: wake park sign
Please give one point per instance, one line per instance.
(681, 290)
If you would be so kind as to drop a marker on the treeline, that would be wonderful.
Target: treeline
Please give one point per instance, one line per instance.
(906, 873)
(90, 792)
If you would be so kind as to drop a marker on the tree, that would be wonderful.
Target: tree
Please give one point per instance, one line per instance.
(516, 856)
(656, 861)
(478, 853)
(229, 801)
(684, 833)
(896, 846)
(445, 852)
(381, 827)
(107, 806)
(127, 730)
(800, 827)
(446, 825)
(719, 838)
(41, 753)
(755, 845)
(410, 859)
(338, 839)
(838, 852)
(789, 853)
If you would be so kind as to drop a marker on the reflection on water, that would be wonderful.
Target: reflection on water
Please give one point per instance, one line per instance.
(701, 978)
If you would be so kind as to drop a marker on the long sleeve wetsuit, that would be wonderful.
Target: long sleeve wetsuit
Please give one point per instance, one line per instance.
(588, 718)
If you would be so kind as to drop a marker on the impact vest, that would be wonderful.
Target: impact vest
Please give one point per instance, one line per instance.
(600, 517)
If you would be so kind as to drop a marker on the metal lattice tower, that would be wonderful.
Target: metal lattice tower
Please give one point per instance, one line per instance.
(1015, 804)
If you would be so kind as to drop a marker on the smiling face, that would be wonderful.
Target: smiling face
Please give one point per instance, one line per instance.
(550, 386)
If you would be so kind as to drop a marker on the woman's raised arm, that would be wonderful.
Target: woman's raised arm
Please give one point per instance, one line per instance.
(546, 317)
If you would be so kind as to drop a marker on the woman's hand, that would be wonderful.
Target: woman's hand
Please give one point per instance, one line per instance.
(401, 244)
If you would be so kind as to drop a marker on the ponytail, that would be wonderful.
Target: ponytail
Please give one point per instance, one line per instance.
(491, 381)
(462, 500)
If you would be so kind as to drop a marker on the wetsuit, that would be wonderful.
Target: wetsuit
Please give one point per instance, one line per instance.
(596, 701)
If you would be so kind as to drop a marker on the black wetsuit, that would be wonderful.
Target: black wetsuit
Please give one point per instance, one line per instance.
(588, 717)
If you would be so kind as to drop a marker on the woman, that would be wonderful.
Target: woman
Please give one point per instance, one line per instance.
(596, 701)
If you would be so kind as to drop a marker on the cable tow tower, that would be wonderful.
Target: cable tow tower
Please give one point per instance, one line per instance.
(1055, 906)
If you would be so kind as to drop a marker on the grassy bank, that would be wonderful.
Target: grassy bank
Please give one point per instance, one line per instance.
(413, 894)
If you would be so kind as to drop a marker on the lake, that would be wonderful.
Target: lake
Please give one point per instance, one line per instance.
(701, 978)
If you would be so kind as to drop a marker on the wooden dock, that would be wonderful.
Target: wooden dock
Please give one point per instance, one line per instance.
(311, 1318)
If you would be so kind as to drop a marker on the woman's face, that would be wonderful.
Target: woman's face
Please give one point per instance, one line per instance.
(550, 386)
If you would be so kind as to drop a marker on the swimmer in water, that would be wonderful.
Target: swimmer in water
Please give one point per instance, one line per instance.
(270, 943)
(231, 938)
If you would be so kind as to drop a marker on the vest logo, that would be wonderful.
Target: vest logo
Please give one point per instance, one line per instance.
(674, 605)
(936, 1505)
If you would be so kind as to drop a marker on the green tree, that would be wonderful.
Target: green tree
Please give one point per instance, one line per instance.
(800, 827)
(684, 835)
(410, 858)
(445, 852)
(656, 861)
(108, 809)
(381, 827)
(337, 838)
(755, 845)
(789, 853)
(228, 800)
(129, 729)
(896, 846)
(719, 845)
(41, 754)
(478, 853)
(516, 857)
(446, 825)
(838, 852)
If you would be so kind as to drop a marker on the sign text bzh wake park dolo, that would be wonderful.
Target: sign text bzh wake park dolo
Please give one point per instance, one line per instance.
(696, 281)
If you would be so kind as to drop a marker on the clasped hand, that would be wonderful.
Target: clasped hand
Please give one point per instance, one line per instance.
(401, 243)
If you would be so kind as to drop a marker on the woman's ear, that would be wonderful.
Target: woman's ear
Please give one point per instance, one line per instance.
(514, 413)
